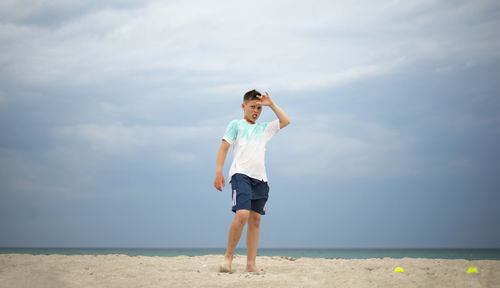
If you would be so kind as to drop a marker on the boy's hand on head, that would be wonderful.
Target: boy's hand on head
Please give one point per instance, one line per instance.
(219, 181)
(265, 99)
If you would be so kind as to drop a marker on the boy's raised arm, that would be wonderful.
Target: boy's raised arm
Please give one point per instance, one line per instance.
(219, 181)
(266, 100)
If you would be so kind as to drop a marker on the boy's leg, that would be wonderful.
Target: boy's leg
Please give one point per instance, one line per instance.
(234, 235)
(252, 240)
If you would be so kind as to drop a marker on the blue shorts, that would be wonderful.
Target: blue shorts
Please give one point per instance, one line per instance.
(249, 193)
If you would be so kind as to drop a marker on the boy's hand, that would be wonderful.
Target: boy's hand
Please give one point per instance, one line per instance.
(265, 100)
(219, 181)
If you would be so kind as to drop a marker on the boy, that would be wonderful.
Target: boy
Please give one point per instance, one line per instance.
(247, 174)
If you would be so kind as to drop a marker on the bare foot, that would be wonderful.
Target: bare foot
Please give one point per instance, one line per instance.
(252, 268)
(225, 266)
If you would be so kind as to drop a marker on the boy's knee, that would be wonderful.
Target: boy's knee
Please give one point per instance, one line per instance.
(242, 217)
(254, 220)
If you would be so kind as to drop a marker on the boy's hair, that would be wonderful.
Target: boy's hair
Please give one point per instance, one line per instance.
(251, 95)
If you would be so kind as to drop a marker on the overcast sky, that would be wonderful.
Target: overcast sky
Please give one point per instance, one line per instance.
(111, 114)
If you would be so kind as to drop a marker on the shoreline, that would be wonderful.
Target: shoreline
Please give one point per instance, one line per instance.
(328, 253)
(119, 270)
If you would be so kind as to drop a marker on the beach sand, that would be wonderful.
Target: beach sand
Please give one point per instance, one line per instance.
(23, 270)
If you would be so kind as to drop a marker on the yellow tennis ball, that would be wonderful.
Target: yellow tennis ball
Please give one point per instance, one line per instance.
(472, 269)
(399, 269)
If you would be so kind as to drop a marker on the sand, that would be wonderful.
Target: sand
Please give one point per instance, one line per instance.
(23, 270)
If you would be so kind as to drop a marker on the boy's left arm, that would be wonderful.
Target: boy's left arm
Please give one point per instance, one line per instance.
(266, 100)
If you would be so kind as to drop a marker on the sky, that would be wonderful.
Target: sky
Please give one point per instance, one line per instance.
(112, 112)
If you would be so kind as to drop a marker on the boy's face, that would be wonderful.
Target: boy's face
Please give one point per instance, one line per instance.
(252, 110)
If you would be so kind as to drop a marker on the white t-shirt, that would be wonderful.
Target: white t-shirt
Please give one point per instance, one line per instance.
(249, 146)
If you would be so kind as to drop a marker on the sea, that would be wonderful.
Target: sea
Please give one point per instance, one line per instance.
(330, 253)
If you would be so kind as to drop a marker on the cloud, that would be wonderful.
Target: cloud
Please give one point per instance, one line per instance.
(343, 146)
(158, 144)
(269, 44)
(106, 106)
(55, 13)
(321, 81)
(183, 158)
(81, 159)
(31, 176)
